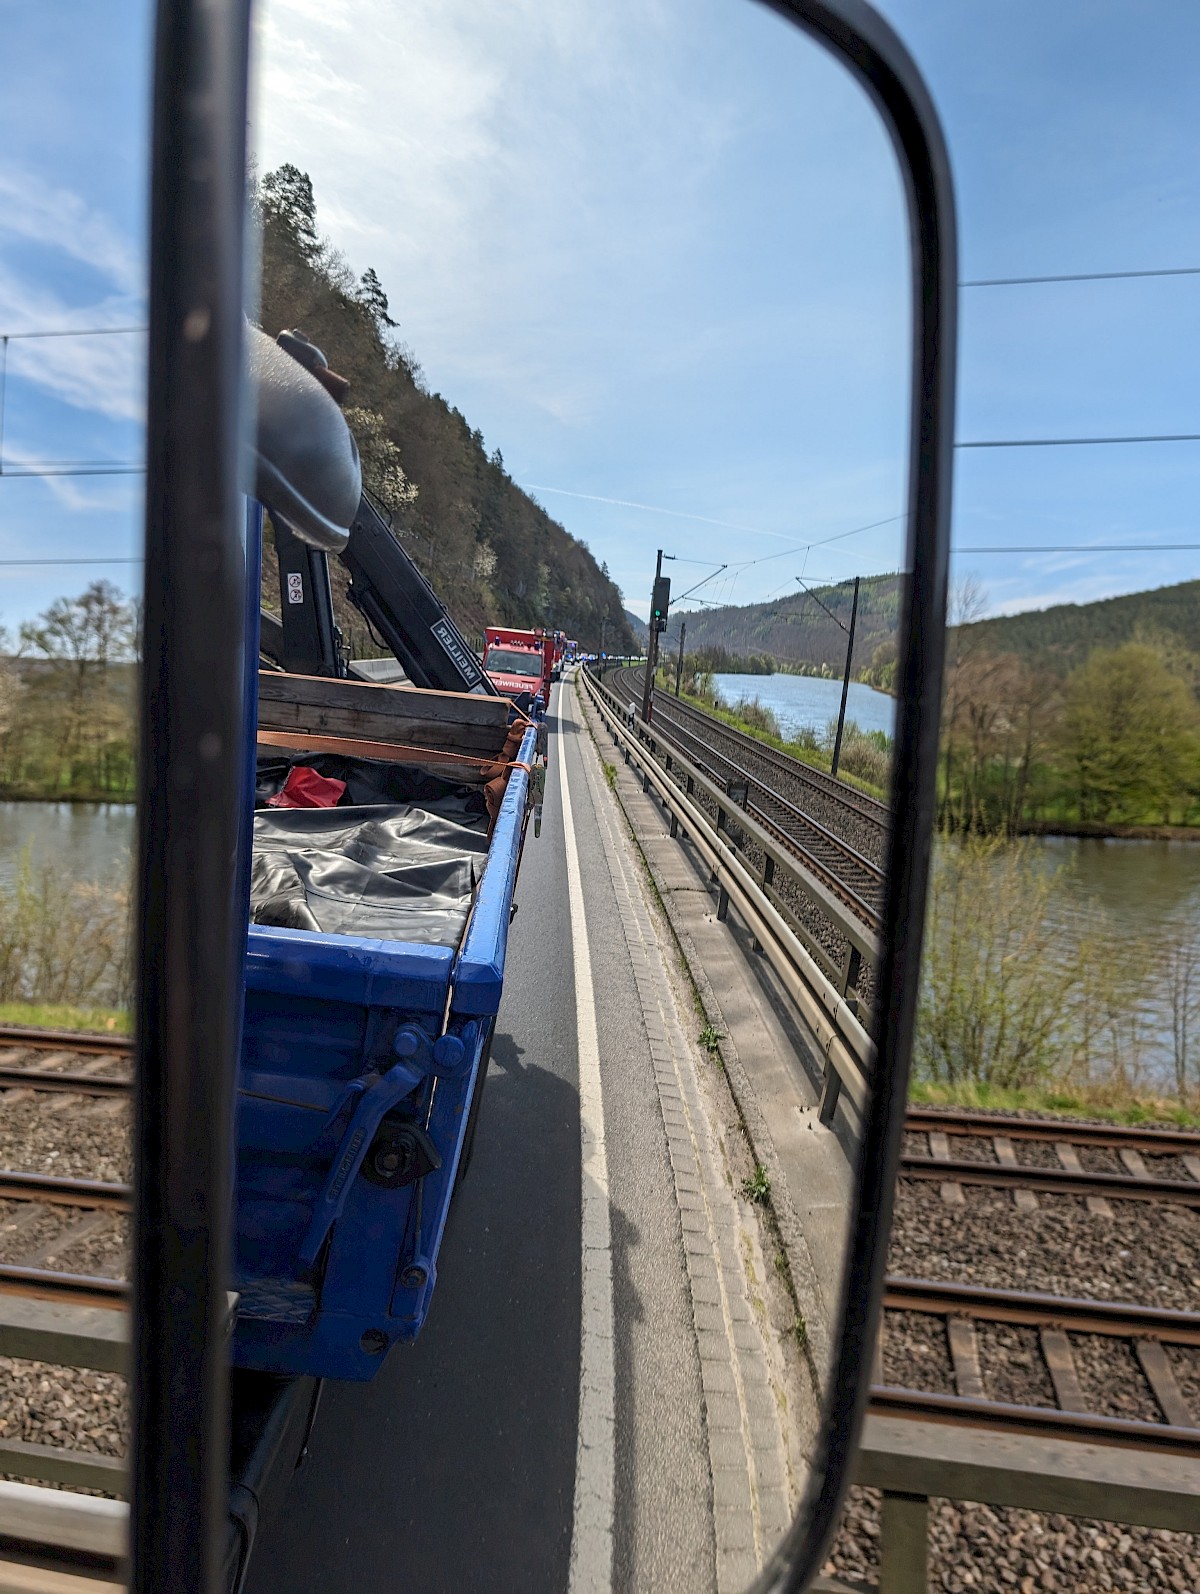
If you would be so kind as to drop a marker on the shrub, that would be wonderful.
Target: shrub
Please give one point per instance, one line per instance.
(63, 941)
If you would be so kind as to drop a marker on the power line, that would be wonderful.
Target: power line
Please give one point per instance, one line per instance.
(1076, 442)
(11, 563)
(1093, 547)
(71, 468)
(78, 332)
(1082, 276)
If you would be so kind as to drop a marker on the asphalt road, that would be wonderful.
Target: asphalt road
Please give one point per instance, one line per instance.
(455, 1469)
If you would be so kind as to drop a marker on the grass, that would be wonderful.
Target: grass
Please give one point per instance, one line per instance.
(757, 1187)
(710, 1038)
(57, 1015)
(610, 774)
(1108, 1102)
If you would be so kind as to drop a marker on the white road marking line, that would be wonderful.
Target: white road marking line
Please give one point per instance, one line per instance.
(595, 1486)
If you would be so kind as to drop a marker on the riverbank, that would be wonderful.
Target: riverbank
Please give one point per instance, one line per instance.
(1087, 831)
(40, 794)
(1106, 1103)
(58, 1015)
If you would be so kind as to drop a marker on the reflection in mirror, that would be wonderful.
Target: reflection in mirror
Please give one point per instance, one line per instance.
(608, 301)
(73, 153)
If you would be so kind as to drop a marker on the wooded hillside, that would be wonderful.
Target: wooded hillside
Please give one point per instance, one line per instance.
(493, 555)
(1058, 640)
(803, 629)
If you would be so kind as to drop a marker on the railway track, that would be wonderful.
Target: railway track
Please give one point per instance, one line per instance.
(48, 1216)
(50, 1060)
(629, 682)
(1126, 1163)
(1057, 1322)
(806, 815)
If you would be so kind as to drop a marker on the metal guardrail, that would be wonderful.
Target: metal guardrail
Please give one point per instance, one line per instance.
(819, 991)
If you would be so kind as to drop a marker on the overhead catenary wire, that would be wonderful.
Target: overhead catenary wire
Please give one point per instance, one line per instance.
(1078, 442)
(1081, 276)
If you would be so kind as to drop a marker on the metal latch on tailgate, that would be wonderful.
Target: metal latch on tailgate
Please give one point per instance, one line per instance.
(374, 1105)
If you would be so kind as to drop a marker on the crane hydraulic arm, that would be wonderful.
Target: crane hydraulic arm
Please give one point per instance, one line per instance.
(393, 596)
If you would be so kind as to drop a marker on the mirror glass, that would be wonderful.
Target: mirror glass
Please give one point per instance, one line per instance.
(618, 294)
(73, 164)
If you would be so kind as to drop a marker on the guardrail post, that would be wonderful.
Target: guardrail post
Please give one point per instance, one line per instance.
(831, 1090)
(851, 969)
(674, 824)
(768, 879)
(903, 1544)
(646, 781)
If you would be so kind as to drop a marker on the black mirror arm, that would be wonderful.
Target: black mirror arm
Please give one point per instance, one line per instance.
(860, 38)
(190, 797)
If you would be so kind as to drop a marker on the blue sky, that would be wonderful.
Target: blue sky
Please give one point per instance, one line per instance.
(656, 252)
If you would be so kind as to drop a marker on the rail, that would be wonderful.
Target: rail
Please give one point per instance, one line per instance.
(820, 992)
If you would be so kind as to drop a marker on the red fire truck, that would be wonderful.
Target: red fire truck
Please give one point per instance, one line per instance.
(520, 665)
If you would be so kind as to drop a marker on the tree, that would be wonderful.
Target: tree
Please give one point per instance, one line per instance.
(1133, 733)
(381, 467)
(372, 296)
(287, 198)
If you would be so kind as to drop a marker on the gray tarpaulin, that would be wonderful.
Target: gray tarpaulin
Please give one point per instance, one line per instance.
(399, 872)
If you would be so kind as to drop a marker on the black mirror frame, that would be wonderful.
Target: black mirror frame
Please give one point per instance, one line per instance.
(857, 35)
(191, 779)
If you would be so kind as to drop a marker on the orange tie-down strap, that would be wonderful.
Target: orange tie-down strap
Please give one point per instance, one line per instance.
(492, 772)
(478, 766)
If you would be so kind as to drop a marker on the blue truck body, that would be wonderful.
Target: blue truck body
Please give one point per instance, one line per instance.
(361, 1059)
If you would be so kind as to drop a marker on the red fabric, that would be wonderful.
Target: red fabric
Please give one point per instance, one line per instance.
(304, 788)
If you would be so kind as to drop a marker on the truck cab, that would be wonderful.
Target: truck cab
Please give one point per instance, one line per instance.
(520, 665)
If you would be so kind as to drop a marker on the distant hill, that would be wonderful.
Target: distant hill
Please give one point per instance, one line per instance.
(1057, 640)
(639, 627)
(801, 629)
(493, 554)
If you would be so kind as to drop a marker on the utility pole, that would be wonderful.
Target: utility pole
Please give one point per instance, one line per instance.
(837, 746)
(603, 628)
(660, 599)
(679, 665)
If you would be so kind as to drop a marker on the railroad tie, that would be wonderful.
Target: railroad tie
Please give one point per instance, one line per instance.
(939, 1150)
(1060, 1361)
(1097, 1205)
(1192, 1164)
(82, 1229)
(1160, 1375)
(29, 1218)
(964, 1354)
(1006, 1155)
(1135, 1163)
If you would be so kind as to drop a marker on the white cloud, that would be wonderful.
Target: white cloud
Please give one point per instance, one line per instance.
(32, 209)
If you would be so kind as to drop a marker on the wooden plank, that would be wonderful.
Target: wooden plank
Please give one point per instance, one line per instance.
(72, 1336)
(957, 1462)
(17, 1578)
(1192, 1164)
(466, 770)
(904, 1544)
(1160, 1375)
(460, 721)
(1025, 1200)
(1056, 1350)
(1068, 1157)
(79, 1469)
(964, 1353)
(67, 1521)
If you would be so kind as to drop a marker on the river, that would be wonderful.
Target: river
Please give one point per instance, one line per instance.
(1144, 887)
(90, 841)
(807, 702)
